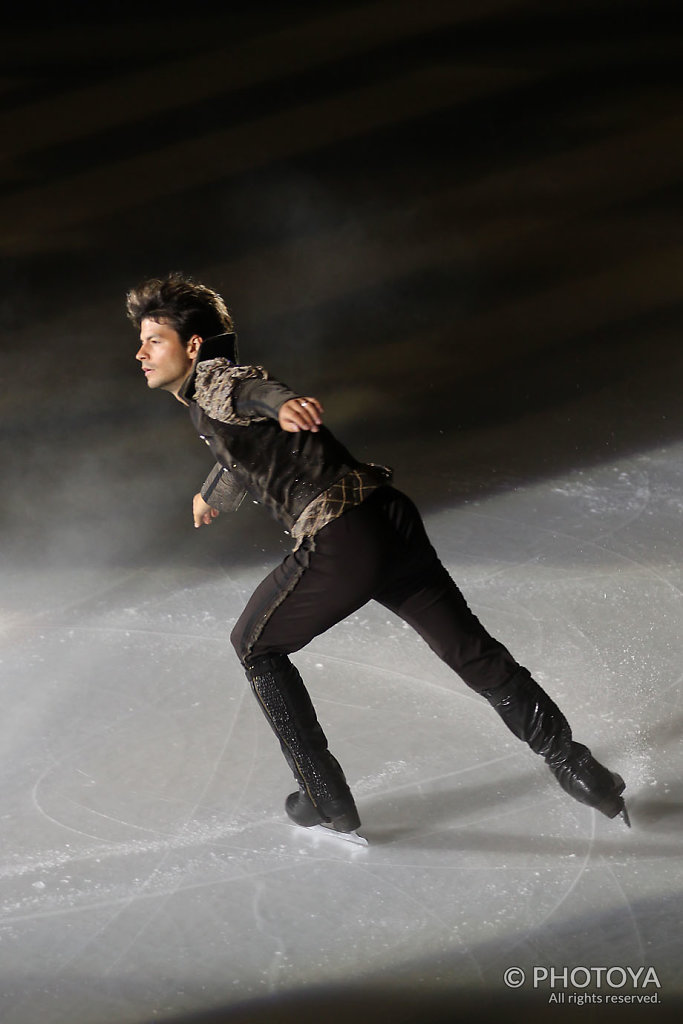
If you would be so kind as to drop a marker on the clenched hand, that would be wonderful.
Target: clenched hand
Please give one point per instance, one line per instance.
(301, 414)
(203, 514)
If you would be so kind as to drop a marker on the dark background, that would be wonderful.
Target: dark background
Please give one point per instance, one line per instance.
(456, 222)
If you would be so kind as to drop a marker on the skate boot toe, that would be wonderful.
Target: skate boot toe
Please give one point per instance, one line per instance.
(340, 815)
(589, 782)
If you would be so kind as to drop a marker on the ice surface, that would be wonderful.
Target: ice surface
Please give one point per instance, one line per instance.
(148, 868)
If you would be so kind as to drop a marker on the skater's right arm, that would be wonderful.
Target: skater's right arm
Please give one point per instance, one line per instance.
(221, 491)
(202, 513)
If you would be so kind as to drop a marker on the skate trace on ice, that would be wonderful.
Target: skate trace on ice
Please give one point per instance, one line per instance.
(145, 795)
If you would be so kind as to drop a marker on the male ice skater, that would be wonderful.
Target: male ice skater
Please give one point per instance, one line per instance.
(355, 537)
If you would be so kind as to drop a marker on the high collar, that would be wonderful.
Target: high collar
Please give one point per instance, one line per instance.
(215, 347)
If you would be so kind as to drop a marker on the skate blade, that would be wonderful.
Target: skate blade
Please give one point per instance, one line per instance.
(624, 814)
(347, 837)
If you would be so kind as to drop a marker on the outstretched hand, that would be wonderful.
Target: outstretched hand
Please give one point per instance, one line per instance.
(203, 513)
(301, 414)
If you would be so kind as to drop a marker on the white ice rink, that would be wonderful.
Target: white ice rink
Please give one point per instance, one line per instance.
(148, 869)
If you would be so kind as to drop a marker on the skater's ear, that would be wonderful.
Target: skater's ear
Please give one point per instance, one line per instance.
(192, 346)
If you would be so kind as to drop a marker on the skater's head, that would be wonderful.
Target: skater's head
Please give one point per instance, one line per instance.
(183, 304)
(174, 315)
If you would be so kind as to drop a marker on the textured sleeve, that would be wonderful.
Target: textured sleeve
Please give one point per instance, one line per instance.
(216, 385)
(221, 490)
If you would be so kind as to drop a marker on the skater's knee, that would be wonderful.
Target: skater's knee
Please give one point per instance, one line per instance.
(246, 648)
(518, 679)
(237, 639)
(250, 646)
(487, 670)
(274, 661)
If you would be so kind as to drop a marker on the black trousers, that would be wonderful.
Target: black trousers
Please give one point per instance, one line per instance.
(378, 550)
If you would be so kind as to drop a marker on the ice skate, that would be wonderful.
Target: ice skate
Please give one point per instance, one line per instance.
(324, 798)
(342, 822)
(328, 832)
(534, 717)
(588, 781)
(339, 815)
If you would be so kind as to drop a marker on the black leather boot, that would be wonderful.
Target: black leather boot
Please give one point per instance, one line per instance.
(324, 797)
(532, 716)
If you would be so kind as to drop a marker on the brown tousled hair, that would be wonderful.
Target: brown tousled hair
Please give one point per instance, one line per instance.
(186, 305)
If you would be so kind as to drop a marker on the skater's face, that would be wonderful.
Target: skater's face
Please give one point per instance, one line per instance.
(165, 360)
